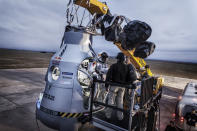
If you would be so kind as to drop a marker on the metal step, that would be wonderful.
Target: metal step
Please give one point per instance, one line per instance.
(106, 125)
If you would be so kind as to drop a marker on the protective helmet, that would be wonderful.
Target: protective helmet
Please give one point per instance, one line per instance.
(104, 55)
(84, 64)
(120, 57)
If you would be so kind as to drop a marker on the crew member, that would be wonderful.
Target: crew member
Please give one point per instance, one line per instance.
(171, 127)
(131, 78)
(101, 69)
(132, 74)
(117, 73)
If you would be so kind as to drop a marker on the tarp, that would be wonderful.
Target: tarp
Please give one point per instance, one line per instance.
(134, 33)
(144, 49)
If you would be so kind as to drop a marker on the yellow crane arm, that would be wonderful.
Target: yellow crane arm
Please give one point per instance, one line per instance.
(139, 63)
(93, 6)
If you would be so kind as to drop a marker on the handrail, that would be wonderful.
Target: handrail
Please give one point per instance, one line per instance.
(113, 107)
(123, 85)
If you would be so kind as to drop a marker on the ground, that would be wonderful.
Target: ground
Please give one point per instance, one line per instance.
(19, 89)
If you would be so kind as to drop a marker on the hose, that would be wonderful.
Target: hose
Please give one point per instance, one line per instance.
(159, 118)
(37, 123)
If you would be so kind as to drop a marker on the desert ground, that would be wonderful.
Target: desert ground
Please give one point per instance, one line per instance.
(22, 79)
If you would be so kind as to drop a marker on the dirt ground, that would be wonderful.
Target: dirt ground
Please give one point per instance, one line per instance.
(15, 59)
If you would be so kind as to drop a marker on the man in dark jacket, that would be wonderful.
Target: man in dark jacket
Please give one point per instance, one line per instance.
(132, 74)
(131, 79)
(117, 73)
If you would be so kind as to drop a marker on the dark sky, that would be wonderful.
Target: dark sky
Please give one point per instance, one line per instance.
(39, 24)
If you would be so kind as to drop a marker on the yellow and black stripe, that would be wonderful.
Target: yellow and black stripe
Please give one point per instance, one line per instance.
(70, 115)
(61, 114)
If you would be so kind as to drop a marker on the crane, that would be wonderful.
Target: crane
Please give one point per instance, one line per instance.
(100, 8)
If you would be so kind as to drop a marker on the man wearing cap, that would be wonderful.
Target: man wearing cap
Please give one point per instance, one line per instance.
(117, 73)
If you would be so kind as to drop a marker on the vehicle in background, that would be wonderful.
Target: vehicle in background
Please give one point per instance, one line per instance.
(185, 115)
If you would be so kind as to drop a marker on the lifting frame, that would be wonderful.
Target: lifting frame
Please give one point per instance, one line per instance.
(150, 100)
(106, 125)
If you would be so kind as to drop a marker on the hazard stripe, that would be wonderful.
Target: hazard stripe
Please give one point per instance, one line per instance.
(76, 114)
(69, 115)
(80, 114)
(61, 114)
(73, 115)
(64, 115)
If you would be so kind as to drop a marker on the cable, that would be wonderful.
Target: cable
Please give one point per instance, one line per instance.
(82, 17)
(63, 39)
(68, 12)
(69, 3)
(71, 15)
(37, 123)
(76, 9)
(159, 118)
